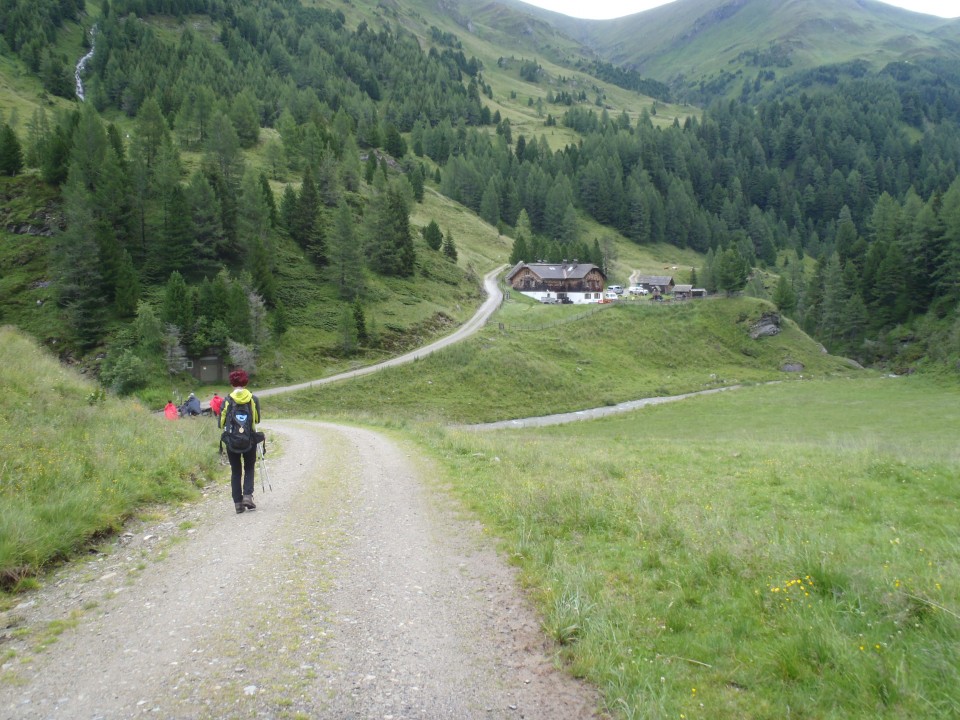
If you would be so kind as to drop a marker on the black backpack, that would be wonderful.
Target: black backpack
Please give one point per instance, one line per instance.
(238, 433)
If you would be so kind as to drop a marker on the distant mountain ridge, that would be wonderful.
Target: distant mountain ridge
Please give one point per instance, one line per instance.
(689, 42)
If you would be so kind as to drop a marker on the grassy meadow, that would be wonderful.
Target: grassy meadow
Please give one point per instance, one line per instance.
(550, 359)
(784, 550)
(76, 464)
(787, 549)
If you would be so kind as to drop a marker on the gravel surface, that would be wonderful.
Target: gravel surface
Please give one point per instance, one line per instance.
(357, 589)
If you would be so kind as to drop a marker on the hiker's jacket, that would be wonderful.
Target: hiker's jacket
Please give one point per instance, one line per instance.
(241, 396)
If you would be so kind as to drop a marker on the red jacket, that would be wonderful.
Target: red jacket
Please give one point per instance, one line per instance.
(216, 404)
(171, 411)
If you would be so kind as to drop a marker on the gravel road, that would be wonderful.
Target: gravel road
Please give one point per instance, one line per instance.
(471, 326)
(357, 589)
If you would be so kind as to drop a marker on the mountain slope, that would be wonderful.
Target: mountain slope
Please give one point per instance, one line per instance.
(689, 41)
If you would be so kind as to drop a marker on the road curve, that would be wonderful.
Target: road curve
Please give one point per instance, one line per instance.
(589, 413)
(494, 298)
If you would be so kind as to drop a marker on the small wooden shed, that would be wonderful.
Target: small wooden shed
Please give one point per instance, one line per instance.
(662, 283)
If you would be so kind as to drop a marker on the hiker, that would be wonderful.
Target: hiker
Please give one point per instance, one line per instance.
(239, 418)
(170, 411)
(216, 405)
(191, 406)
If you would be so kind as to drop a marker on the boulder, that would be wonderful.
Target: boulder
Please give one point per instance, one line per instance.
(767, 326)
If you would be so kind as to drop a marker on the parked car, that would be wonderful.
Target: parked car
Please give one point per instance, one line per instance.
(610, 296)
(549, 300)
(615, 288)
(638, 290)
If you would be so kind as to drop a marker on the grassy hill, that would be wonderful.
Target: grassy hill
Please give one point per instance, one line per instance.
(537, 360)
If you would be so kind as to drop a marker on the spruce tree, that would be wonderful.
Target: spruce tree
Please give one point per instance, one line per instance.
(178, 307)
(432, 235)
(11, 153)
(389, 241)
(784, 296)
(732, 271)
(346, 260)
(205, 216)
(449, 247)
(360, 321)
(127, 292)
(519, 252)
(175, 249)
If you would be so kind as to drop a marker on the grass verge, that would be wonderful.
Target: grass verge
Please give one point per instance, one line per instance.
(76, 464)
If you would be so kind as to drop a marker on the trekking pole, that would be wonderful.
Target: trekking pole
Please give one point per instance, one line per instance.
(263, 469)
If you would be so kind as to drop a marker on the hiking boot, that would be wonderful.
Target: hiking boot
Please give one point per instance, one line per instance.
(248, 502)
(240, 507)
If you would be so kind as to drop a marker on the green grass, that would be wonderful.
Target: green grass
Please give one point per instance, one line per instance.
(550, 359)
(75, 467)
(780, 551)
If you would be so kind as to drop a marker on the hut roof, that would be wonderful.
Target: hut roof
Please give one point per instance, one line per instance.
(556, 271)
(654, 280)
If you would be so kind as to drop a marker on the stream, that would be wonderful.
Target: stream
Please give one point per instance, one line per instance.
(82, 63)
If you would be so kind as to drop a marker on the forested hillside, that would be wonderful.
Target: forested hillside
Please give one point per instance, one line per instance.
(241, 170)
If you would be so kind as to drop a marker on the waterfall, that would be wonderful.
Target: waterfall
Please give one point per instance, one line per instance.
(81, 64)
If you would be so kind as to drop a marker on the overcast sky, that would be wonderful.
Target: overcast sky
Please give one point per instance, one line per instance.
(606, 9)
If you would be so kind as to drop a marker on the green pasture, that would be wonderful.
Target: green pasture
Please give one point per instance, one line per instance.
(784, 550)
(533, 359)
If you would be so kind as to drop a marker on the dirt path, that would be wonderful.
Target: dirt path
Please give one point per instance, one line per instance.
(355, 590)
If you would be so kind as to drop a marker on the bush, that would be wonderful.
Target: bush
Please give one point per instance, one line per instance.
(124, 372)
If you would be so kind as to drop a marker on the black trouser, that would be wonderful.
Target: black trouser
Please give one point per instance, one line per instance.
(249, 463)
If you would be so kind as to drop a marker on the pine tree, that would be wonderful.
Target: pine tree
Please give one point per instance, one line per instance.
(205, 216)
(261, 271)
(253, 215)
(246, 122)
(347, 330)
(389, 241)
(490, 203)
(175, 249)
(417, 181)
(432, 235)
(370, 168)
(11, 153)
(150, 132)
(835, 298)
(519, 253)
(449, 247)
(360, 321)
(79, 284)
(238, 314)
(178, 307)
(732, 271)
(784, 296)
(223, 150)
(346, 261)
(127, 290)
